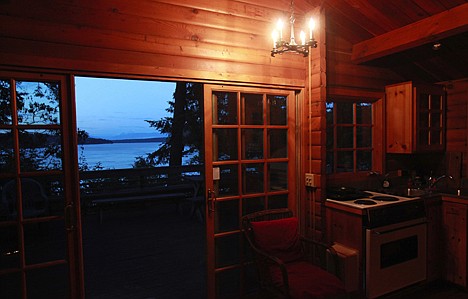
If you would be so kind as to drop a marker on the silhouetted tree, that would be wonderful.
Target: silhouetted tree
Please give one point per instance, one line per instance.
(37, 103)
(184, 129)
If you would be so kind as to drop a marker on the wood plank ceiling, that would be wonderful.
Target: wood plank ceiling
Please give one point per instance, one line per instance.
(400, 34)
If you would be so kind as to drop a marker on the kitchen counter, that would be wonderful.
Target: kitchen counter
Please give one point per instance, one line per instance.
(462, 199)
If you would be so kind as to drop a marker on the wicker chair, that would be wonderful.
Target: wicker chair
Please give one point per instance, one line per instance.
(288, 265)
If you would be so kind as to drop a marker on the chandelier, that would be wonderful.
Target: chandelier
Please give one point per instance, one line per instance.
(280, 46)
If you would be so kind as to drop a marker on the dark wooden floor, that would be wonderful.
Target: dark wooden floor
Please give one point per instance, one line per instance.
(436, 290)
(144, 252)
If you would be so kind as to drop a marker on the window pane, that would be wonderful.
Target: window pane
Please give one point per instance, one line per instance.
(9, 246)
(436, 102)
(10, 285)
(35, 201)
(228, 282)
(424, 137)
(278, 201)
(424, 120)
(252, 144)
(436, 137)
(345, 137)
(345, 161)
(330, 162)
(226, 215)
(436, 120)
(7, 162)
(363, 137)
(344, 113)
(253, 178)
(228, 184)
(40, 150)
(424, 101)
(278, 143)
(330, 138)
(363, 113)
(253, 109)
(45, 242)
(50, 282)
(224, 108)
(5, 102)
(224, 144)
(277, 110)
(330, 107)
(38, 102)
(278, 176)
(251, 205)
(364, 160)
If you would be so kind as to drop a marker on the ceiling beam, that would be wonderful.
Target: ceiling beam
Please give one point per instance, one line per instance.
(431, 29)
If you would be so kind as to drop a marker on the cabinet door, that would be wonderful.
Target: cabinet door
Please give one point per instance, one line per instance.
(430, 118)
(454, 219)
(415, 118)
(399, 115)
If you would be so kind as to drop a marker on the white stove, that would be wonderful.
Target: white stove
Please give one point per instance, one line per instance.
(394, 230)
(372, 200)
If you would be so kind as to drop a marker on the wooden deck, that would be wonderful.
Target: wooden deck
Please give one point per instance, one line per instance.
(146, 251)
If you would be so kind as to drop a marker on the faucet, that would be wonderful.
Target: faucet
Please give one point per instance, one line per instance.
(434, 181)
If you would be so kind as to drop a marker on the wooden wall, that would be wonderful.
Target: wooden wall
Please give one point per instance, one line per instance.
(457, 120)
(216, 41)
(338, 77)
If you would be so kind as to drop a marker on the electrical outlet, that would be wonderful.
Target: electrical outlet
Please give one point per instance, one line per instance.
(310, 180)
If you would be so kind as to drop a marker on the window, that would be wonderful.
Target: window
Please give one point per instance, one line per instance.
(349, 137)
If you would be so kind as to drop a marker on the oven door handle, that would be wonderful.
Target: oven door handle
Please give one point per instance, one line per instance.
(398, 228)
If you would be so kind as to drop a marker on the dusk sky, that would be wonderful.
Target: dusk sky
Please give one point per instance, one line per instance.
(117, 108)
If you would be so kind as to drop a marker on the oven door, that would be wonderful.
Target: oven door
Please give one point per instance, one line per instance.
(395, 256)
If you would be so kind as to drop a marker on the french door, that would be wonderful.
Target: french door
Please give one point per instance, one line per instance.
(250, 166)
(38, 222)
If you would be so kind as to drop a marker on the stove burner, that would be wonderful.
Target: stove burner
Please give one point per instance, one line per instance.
(385, 198)
(366, 202)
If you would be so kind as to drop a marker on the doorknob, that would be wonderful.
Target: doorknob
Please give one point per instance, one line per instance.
(211, 201)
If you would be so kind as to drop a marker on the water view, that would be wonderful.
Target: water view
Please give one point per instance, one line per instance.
(115, 155)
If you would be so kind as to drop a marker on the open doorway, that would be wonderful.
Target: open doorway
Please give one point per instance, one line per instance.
(141, 179)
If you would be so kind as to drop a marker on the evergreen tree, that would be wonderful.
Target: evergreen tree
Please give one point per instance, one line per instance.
(184, 129)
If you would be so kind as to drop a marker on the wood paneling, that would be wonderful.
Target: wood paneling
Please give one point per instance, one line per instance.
(457, 121)
(225, 41)
(432, 28)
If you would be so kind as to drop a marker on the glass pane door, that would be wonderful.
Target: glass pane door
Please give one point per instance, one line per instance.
(250, 162)
(34, 154)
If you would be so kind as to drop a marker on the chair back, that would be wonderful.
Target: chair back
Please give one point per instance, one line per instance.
(35, 201)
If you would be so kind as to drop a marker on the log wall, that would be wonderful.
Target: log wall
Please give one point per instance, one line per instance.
(218, 41)
(457, 121)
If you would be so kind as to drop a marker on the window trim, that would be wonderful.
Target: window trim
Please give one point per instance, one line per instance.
(378, 137)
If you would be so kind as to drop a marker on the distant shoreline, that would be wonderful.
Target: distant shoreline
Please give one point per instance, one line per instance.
(92, 140)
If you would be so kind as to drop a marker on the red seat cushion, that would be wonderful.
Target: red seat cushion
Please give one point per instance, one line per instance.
(279, 238)
(307, 281)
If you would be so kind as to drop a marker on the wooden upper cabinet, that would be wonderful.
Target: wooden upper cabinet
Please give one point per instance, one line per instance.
(415, 116)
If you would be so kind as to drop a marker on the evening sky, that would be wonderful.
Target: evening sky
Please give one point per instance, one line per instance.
(117, 108)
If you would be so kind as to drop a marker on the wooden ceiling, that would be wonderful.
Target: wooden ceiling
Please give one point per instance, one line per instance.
(400, 34)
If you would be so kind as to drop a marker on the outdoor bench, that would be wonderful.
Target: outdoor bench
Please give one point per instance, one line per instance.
(107, 189)
(108, 200)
